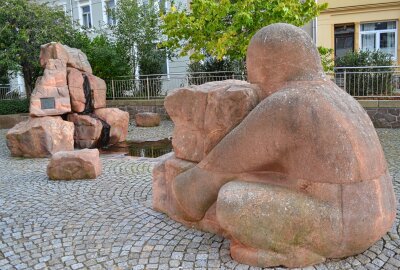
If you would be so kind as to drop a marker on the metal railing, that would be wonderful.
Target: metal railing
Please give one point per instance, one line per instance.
(7, 92)
(157, 86)
(360, 82)
(371, 82)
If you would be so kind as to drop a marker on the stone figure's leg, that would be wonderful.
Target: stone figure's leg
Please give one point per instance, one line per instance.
(254, 145)
(271, 225)
(196, 190)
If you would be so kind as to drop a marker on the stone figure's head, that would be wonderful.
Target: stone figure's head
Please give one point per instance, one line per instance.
(280, 53)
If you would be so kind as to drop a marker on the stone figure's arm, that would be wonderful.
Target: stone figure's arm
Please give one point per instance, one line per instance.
(261, 141)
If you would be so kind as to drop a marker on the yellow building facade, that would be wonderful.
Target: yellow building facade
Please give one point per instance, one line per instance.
(360, 25)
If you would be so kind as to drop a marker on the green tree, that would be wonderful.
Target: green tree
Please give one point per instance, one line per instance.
(327, 59)
(107, 57)
(138, 32)
(223, 28)
(24, 26)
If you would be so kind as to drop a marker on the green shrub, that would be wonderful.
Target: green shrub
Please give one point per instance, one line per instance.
(366, 81)
(204, 71)
(14, 106)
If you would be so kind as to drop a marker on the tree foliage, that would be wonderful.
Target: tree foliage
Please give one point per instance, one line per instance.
(224, 27)
(106, 57)
(138, 31)
(24, 26)
(327, 58)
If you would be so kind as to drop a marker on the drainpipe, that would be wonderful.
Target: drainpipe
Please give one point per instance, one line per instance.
(71, 11)
(314, 27)
(314, 30)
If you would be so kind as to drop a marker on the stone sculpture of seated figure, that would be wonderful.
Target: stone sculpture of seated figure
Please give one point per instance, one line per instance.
(302, 178)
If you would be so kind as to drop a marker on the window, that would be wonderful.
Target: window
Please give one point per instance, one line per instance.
(86, 17)
(110, 12)
(379, 36)
(344, 39)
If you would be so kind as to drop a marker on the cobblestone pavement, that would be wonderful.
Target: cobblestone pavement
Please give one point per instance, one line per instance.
(108, 223)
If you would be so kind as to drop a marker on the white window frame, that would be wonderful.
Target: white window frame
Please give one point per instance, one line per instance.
(378, 33)
(80, 12)
(105, 15)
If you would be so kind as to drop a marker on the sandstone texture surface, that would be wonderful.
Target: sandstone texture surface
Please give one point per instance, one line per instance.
(40, 137)
(147, 119)
(99, 89)
(298, 176)
(74, 165)
(87, 130)
(72, 57)
(76, 92)
(118, 120)
(51, 86)
(204, 114)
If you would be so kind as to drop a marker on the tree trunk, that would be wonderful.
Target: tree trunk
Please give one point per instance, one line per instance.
(28, 74)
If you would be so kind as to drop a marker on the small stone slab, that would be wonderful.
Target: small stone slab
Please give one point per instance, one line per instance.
(74, 165)
(147, 119)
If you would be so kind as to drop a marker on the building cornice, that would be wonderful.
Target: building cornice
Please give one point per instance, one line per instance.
(380, 6)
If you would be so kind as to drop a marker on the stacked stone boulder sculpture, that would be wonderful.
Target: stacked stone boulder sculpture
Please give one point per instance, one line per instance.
(68, 89)
(296, 176)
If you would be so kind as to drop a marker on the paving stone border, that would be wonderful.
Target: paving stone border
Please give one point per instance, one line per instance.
(109, 223)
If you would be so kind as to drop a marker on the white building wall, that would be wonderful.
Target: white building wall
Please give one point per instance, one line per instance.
(99, 20)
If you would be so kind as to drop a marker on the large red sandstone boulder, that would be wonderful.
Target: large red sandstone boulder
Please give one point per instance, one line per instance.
(76, 92)
(118, 120)
(70, 56)
(147, 119)
(99, 91)
(300, 179)
(87, 130)
(51, 95)
(204, 114)
(40, 137)
(73, 165)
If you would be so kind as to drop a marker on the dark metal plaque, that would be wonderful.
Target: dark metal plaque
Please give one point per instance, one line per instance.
(47, 103)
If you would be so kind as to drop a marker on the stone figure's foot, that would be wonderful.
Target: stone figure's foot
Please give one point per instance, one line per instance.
(296, 257)
(196, 190)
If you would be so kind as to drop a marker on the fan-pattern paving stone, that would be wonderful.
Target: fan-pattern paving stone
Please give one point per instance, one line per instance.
(109, 223)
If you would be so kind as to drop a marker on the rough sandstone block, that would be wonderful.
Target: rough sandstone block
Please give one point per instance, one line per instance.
(76, 92)
(73, 165)
(118, 120)
(99, 91)
(52, 89)
(87, 130)
(40, 137)
(204, 114)
(70, 56)
(147, 119)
